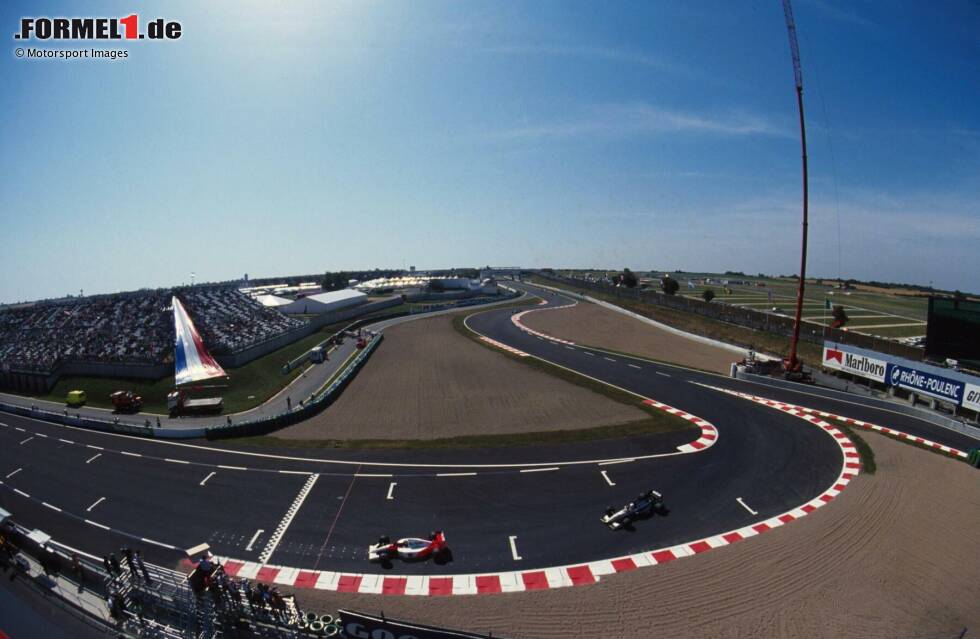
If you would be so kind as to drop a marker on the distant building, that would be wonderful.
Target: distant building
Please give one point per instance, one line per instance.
(325, 302)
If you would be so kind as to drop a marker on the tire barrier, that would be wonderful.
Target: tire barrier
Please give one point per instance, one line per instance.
(973, 458)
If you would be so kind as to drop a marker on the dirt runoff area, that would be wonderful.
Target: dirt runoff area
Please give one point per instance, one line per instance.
(426, 381)
(895, 555)
(592, 325)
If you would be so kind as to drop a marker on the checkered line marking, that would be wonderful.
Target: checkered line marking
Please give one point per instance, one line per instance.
(502, 346)
(580, 574)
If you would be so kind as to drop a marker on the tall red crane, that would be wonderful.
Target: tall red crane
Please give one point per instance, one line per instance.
(792, 363)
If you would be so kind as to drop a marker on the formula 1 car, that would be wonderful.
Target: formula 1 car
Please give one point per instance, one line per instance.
(645, 505)
(409, 548)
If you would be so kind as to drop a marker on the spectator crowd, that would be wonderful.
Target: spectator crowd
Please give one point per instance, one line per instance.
(131, 328)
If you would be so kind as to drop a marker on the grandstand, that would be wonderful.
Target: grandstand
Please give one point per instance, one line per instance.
(231, 321)
(131, 328)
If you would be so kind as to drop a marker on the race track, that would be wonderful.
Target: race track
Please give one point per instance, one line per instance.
(502, 509)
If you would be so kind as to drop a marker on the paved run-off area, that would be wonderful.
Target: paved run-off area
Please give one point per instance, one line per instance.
(894, 557)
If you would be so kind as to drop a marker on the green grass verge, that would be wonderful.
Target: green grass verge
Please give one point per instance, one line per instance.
(908, 442)
(810, 354)
(865, 452)
(649, 426)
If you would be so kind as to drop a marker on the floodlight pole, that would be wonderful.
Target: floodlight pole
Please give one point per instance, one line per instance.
(792, 363)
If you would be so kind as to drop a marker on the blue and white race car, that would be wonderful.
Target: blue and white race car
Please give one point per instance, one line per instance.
(644, 506)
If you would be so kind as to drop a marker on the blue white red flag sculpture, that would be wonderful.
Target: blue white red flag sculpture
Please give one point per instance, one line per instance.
(192, 362)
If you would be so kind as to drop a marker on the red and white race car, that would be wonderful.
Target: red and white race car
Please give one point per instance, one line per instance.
(409, 548)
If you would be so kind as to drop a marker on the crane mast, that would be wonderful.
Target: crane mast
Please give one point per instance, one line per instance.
(792, 363)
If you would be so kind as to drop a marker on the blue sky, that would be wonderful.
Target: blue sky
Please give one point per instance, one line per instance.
(652, 135)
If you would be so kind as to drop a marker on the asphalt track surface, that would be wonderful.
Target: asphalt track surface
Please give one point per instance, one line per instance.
(318, 510)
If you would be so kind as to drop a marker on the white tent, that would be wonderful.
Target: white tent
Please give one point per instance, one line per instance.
(325, 302)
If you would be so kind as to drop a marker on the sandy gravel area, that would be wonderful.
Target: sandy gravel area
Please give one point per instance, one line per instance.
(894, 556)
(427, 381)
(592, 325)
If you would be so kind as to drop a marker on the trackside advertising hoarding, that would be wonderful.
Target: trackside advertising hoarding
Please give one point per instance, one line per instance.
(971, 397)
(839, 357)
(926, 383)
(925, 379)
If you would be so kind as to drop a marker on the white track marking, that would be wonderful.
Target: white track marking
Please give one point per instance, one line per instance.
(270, 547)
(66, 441)
(157, 543)
(97, 502)
(94, 447)
(373, 475)
(21, 493)
(589, 354)
(251, 542)
(27, 440)
(13, 473)
(455, 474)
(175, 461)
(570, 348)
(663, 374)
(93, 458)
(609, 359)
(295, 472)
(197, 549)
(539, 470)
(635, 366)
(513, 547)
(54, 508)
(616, 461)
(745, 506)
(128, 454)
(205, 480)
(96, 524)
(232, 467)
(606, 477)
(391, 489)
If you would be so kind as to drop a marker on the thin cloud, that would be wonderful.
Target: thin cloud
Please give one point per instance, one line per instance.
(615, 120)
(839, 12)
(611, 54)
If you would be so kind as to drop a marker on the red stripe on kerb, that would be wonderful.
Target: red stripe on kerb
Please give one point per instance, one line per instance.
(267, 574)
(697, 445)
(700, 546)
(232, 567)
(786, 518)
(581, 575)
(732, 537)
(760, 528)
(439, 586)
(306, 579)
(394, 585)
(535, 580)
(623, 565)
(487, 584)
(663, 556)
(349, 583)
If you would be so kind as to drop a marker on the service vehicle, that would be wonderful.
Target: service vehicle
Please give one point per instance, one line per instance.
(76, 398)
(409, 548)
(643, 507)
(126, 401)
(318, 354)
(179, 403)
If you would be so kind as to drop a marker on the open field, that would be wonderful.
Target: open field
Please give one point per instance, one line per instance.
(889, 313)
(856, 568)
(592, 325)
(428, 382)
